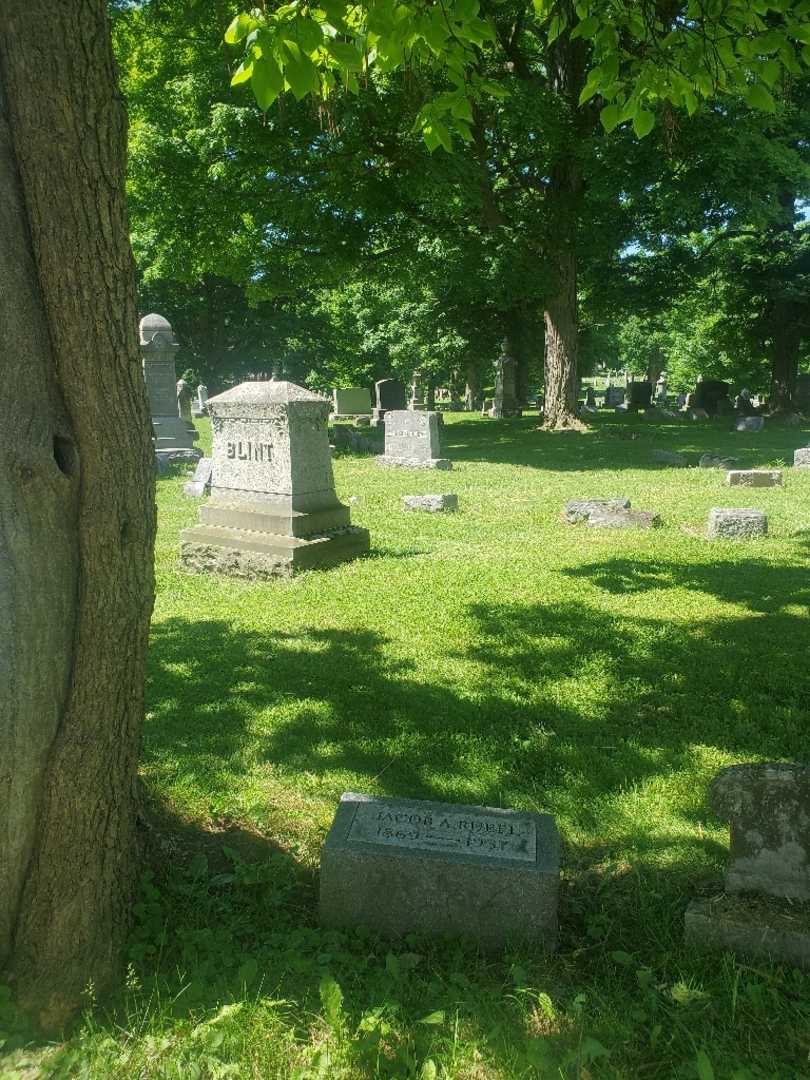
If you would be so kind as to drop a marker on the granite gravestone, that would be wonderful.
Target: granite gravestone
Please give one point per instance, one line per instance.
(184, 405)
(739, 523)
(754, 478)
(768, 809)
(505, 402)
(351, 401)
(273, 508)
(158, 349)
(801, 458)
(417, 401)
(412, 440)
(640, 395)
(614, 395)
(713, 396)
(389, 394)
(200, 409)
(400, 866)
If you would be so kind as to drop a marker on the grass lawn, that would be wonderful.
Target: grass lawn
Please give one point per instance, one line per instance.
(493, 656)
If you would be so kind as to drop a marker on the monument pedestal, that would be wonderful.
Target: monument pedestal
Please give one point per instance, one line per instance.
(414, 463)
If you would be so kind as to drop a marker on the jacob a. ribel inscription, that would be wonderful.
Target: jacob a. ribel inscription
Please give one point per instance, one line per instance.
(400, 866)
(472, 833)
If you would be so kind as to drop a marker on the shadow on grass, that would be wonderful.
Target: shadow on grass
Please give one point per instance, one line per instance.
(620, 441)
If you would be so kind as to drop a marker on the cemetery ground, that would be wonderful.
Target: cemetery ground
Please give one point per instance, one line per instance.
(494, 656)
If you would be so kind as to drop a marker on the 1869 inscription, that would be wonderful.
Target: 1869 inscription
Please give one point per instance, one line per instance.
(464, 833)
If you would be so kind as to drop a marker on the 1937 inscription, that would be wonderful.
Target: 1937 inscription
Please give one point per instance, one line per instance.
(249, 451)
(470, 833)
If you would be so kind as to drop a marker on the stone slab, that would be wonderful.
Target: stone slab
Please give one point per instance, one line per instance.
(749, 423)
(200, 483)
(670, 457)
(623, 519)
(400, 866)
(715, 461)
(167, 457)
(256, 555)
(278, 520)
(708, 927)
(801, 458)
(578, 510)
(351, 401)
(742, 523)
(759, 478)
(431, 504)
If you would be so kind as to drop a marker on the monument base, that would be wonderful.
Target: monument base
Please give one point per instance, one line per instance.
(754, 927)
(413, 463)
(244, 553)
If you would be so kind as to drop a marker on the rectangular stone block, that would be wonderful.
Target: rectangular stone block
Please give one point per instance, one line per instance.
(623, 519)
(399, 866)
(431, 504)
(754, 478)
(351, 401)
(715, 926)
(578, 510)
(801, 458)
(736, 524)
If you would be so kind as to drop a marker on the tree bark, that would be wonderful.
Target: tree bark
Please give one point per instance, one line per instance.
(77, 513)
(786, 323)
(565, 63)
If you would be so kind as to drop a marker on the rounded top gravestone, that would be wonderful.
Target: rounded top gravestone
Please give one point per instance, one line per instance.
(155, 330)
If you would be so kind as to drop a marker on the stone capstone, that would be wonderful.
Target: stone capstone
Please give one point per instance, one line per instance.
(431, 504)
(736, 524)
(401, 866)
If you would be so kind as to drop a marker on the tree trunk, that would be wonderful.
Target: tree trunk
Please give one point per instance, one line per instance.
(566, 72)
(76, 506)
(786, 331)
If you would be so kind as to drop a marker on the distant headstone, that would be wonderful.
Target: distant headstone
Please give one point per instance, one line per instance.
(202, 400)
(801, 396)
(200, 483)
(487, 406)
(697, 414)
(402, 866)
(768, 809)
(578, 510)
(712, 395)
(389, 394)
(743, 403)
(412, 440)
(736, 524)
(661, 395)
(801, 458)
(417, 401)
(614, 396)
(590, 397)
(750, 423)
(158, 350)
(184, 404)
(431, 504)
(754, 478)
(351, 401)
(639, 395)
(273, 508)
(505, 402)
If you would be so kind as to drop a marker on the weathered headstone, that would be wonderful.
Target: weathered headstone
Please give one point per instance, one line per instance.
(768, 809)
(273, 508)
(412, 440)
(184, 405)
(749, 423)
(736, 524)
(505, 402)
(351, 401)
(801, 458)
(661, 395)
(578, 510)
(754, 478)
(200, 409)
(639, 395)
(487, 407)
(614, 396)
(417, 401)
(715, 461)
(158, 350)
(590, 397)
(200, 483)
(389, 394)
(712, 395)
(401, 866)
(431, 504)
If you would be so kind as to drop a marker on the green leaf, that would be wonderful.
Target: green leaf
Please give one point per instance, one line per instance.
(348, 56)
(239, 28)
(267, 81)
(587, 28)
(434, 1018)
(242, 73)
(643, 122)
(705, 1069)
(610, 117)
(299, 71)
(332, 1000)
(308, 34)
(759, 97)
